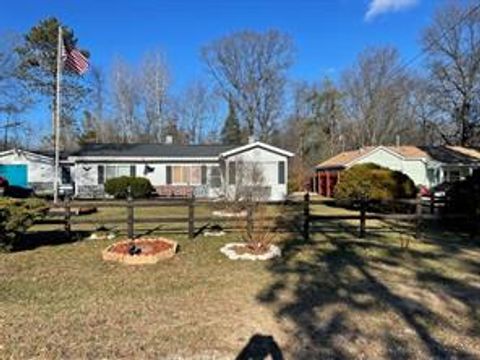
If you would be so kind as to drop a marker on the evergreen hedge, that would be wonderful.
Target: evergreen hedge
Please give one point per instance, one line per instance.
(373, 182)
(16, 216)
(118, 187)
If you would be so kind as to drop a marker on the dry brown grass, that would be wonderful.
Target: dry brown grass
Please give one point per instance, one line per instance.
(333, 297)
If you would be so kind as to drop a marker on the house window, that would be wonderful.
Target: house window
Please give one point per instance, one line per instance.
(232, 173)
(186, 175)
(195, 175)
(114, 171)
(453, 176)
(281, 172)
(215, 177)
(178, 177)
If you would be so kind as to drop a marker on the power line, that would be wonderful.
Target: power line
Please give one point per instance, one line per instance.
(421, 53)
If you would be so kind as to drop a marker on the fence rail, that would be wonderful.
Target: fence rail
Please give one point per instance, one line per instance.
(301, 220)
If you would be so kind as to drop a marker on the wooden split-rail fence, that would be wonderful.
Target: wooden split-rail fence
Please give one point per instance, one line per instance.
(296, 216)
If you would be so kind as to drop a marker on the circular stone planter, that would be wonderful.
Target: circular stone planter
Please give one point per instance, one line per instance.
(229, 214)
(231, 253)
(152, 250)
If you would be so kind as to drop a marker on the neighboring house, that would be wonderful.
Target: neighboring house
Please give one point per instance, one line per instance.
(425, 165)
(207, 171)
(27, 169)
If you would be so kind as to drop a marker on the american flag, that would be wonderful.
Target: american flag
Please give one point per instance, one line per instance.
(74, 60)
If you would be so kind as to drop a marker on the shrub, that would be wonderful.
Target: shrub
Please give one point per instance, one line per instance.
(464, 196)
(16, 216)
(118, 187)
(373, 182)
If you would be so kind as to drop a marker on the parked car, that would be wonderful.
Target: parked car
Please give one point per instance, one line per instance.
(439, 193)
(3, 185)
(66, 190)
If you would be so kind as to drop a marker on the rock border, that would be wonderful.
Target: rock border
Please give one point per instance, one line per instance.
(229, 214)
(96, 236)
(228, 251)
(213, 233)
(140, 259)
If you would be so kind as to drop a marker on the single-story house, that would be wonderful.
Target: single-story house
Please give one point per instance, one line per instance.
(426, 165)
(28, 169)
(207, 171)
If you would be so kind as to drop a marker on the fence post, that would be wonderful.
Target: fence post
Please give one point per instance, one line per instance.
(68, 216)
(432, 203)
(418, 217)
(130, 216)
(306, 217)
(250, 221)
(191, 217)
(363, 218)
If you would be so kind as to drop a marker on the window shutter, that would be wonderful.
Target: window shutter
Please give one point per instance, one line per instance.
(101, 175)
(232, 173)
(204, 174)
(133, 170)
(169, 174)
(281, 172)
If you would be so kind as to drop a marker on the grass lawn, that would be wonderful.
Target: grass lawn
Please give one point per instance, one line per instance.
(335, 296)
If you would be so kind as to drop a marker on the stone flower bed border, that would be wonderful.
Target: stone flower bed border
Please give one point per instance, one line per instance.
(140, 259)
(229, 214)
(229, 251)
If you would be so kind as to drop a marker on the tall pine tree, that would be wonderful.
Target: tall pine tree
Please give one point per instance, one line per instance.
(231, 132)
(38, 66)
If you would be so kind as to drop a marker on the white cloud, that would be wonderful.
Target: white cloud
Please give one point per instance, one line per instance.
(378, 7)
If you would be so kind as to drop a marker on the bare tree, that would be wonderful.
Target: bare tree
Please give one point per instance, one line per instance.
(14, 96)
(250, 69)
(197, 109)
(250, 194)
(154, 82)
(452, 43)
(377, 93)
(125, 100)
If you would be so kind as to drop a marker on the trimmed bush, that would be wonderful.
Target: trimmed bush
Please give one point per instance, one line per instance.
(464, 196)
(16, 216)
(373, 182)
(118, 187)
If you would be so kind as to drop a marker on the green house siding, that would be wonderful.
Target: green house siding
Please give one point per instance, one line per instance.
(416, 169)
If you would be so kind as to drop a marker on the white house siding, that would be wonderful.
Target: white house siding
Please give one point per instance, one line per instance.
(40, 169)
(86, 176)
(415, 169)
(86, 171)
(86, 180)
(157, 176)
(268, 161)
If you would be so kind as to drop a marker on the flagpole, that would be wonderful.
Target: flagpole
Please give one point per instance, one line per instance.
(57, 115)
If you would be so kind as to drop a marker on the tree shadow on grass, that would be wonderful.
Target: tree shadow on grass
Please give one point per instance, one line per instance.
(34, 239)
(336, 279)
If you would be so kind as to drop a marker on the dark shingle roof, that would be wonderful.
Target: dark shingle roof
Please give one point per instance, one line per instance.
(449, 155)
(152, 150)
